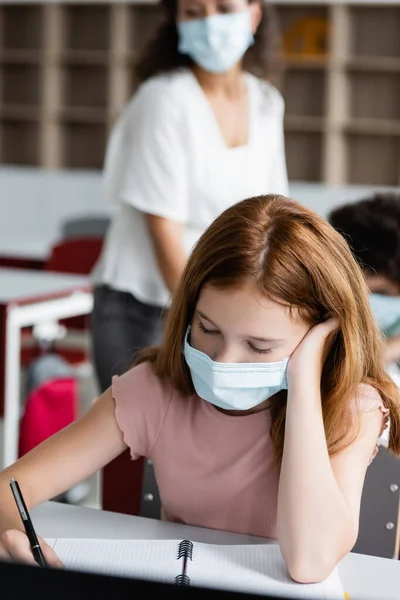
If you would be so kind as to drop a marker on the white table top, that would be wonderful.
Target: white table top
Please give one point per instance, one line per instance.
(363, 577)
(21, 285)
(31, 248)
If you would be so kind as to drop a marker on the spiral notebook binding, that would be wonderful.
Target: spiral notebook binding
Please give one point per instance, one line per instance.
(182, 580)
(185, 551)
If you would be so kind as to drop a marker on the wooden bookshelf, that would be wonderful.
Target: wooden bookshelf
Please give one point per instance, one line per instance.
(67, 70)
(349, 93)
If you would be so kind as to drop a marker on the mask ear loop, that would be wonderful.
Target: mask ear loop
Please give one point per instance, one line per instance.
(186, 339)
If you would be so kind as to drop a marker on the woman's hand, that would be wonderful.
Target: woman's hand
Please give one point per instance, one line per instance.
(308, 358)
(14, 546)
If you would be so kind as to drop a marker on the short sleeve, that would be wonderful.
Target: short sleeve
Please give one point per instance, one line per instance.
(155, 178)
(366, 399)
(141, 404)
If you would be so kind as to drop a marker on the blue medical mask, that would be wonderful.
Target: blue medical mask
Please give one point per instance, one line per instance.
(218, 42)
(385, 309)
(234, 386)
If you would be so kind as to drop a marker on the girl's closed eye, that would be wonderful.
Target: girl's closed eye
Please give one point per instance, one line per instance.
(260, 350)
(215, 332)
(205, 330)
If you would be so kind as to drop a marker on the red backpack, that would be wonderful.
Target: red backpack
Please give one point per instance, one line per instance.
(51, 405)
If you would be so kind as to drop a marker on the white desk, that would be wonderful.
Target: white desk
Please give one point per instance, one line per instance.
(29, 298)
(363, 577)
(29, 248)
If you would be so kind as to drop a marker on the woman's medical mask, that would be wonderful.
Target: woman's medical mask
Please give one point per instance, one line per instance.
(385, 309)
(234, 386)
(218, 42)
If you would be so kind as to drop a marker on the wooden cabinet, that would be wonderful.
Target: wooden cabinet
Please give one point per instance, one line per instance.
(67, 70)
(341, 84)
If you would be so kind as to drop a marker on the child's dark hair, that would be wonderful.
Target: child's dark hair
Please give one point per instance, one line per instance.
(371, 226)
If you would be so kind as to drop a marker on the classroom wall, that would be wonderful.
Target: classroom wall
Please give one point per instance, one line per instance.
(34, 202)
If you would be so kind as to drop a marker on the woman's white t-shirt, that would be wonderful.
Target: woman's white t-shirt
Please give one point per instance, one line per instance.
(166, 156)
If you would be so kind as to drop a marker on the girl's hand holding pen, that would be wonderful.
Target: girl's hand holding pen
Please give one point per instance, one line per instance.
(26, 547)
(15, 546)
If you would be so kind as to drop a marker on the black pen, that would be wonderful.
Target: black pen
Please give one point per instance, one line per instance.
(26, 520)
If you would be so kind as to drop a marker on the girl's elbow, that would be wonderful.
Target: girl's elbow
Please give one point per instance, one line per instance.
(308, 566)
(303, 571)
(315, 566)
(309, 569)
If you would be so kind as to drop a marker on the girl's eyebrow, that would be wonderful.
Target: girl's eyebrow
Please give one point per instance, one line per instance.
(269, 340)
(258, 339)
(203, 316)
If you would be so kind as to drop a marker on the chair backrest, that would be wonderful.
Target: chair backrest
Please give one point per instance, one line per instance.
(379, 515)
(75, 255)
(85, 227)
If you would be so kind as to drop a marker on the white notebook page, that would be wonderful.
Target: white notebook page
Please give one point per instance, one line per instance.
(258, 569)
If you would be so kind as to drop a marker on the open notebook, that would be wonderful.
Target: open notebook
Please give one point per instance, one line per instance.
(257, 569)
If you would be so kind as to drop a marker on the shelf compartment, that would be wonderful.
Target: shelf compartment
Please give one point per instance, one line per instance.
(83, 145)
(19, 143)
(85, 57)
(305, 124)
(305, 31)
(374, 95)
(82, 115)
(22, 27)
(374, 31)
(21, 85)
(144, 22)
(305, 63)
(304, 92)
(87, 27)
(20, 113)
(20, 57)
(85, 86)
(379, 127)
(304, 156)
(373, 160)
(374, 64)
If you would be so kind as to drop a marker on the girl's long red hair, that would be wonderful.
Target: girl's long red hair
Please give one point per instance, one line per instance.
(295, 257)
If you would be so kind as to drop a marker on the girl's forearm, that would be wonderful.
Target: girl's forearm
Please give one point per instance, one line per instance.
(314, 524)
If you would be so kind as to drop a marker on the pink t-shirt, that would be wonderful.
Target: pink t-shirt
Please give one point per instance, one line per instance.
(213, 470)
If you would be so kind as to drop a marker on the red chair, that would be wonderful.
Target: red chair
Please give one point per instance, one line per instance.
(75, 256)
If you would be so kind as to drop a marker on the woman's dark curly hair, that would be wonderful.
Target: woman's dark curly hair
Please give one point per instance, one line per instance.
(162, 54)
(372, 228)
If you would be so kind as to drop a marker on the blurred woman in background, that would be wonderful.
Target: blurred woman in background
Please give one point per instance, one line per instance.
(204, 129)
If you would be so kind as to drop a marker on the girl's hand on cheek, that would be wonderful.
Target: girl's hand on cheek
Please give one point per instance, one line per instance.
(308, 358)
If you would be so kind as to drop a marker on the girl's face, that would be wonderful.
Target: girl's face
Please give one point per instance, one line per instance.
(240, 325)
